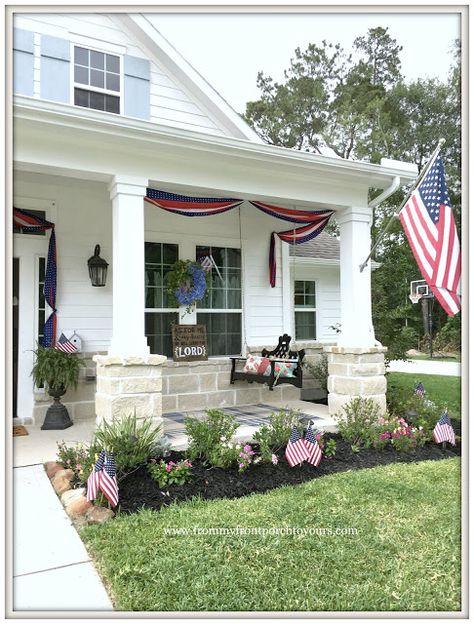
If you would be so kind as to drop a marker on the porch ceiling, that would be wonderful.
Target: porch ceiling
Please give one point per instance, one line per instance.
(64, 140)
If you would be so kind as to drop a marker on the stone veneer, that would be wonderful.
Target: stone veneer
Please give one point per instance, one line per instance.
(183, 385)
(355, 372)
(128, 385)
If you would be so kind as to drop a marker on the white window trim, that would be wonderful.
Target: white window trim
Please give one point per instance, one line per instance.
(306, 309)
(74, 84)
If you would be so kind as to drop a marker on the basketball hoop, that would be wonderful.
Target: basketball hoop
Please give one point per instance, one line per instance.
(415, 297)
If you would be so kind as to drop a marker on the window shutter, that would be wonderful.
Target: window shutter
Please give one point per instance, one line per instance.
(136, 87)
(23, 62)
(55, 69)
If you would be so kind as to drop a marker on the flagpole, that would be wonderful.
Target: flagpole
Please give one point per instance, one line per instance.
(441, 142)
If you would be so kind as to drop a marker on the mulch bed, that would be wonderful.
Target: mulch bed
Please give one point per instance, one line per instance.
(140, 490)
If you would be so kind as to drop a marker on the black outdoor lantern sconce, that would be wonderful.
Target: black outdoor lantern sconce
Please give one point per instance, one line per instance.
(97, 268)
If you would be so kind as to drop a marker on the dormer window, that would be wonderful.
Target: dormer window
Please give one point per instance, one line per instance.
(97, 82)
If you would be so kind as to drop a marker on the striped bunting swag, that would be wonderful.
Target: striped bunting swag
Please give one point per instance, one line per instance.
(312, 222)
(296, 451)
(190, 206)
(315, 454)
(93, 482)
(32, 223)
(443, 431)
(316, 221)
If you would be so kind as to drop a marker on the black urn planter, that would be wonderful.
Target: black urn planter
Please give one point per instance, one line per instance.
(57, 416)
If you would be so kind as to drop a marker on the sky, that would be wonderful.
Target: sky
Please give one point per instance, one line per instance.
(229, 50)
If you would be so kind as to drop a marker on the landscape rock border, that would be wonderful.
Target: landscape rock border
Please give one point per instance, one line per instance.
(81, 511)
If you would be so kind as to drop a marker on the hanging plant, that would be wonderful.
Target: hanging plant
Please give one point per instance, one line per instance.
(186, 283)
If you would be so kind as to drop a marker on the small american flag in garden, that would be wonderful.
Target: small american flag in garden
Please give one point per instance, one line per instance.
(93, 482)
(420, 389)
(296, 451)
(207, 263)
(443, 431)
(64, 344)
(108, 480)
(315, 454)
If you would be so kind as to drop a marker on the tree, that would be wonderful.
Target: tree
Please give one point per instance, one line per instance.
(359, 105)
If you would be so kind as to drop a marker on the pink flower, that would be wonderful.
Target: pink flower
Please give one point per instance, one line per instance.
(168, 468)
(318, 436)
(274, 459)
(241, 465)
(78, 467)
(68, 461)
(247, 448)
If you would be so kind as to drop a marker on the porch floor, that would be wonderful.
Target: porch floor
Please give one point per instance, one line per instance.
(41, 446)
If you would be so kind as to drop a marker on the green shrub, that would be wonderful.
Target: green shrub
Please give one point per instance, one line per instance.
(360, 417)
(276, 434)
(131, 444)
(79, 458)
(210, 439)
(55, 368)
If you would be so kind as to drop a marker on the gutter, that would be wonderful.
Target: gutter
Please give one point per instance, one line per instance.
(395, 185)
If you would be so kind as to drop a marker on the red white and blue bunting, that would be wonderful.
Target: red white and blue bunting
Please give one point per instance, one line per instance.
(314, 220)
(31, 223)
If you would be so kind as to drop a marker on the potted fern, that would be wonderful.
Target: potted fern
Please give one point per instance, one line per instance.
(57, 371)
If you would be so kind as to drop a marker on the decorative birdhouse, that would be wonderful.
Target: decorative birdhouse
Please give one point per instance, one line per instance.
(76, 341)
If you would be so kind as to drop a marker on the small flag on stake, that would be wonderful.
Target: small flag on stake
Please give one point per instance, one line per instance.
(108, 480)
(93, 482)
(296, 451)
(315, 454)
(443, 431)
(420, 389)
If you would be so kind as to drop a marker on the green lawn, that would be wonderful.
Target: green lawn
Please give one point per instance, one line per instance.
(441, 389)
(405, 556)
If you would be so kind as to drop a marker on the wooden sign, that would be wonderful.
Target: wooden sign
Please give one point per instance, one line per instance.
(189, 343)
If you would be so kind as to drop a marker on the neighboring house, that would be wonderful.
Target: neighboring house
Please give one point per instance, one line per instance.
(104, 108)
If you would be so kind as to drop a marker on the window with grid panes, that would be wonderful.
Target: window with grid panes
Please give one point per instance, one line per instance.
(305, 310)
(96, 80)
(159, 315)
(221, 308)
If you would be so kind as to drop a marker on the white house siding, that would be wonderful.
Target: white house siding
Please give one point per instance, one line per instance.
(170, 102)
(328, 300)
(83, 218)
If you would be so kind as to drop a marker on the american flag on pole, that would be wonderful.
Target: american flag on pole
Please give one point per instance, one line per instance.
(64, 344)
(420, 389)
(93, 482)
(428, 221)
(296, 451)
(315, 454)
(443, 431)
(108, 480)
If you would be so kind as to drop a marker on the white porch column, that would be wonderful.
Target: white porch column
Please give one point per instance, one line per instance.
(128, 325)
(356, 306)
(356, 366)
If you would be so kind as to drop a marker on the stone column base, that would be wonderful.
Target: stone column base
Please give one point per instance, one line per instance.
(129, 385)
(354, 372)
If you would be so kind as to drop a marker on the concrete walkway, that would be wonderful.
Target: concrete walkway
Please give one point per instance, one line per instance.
(52, 570)
(426, 367)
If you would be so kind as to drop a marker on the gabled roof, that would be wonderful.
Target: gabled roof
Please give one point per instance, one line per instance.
(323, 246)
(159, 48)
